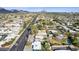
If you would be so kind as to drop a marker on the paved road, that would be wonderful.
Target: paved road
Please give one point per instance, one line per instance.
(20, 43)
(64, 47)
(3, 49)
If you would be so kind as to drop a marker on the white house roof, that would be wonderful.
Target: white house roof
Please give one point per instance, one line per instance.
(54, 31)
(39, 37)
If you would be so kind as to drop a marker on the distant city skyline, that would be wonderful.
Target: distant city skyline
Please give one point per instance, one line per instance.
(47, 9)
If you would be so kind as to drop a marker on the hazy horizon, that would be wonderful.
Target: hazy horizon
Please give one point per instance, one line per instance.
(47, 9)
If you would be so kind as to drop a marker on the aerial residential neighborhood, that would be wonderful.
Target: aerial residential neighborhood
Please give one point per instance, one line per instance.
(22, 30)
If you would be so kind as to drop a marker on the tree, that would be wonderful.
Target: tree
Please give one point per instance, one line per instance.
(39, 26)
(75, 41)
(64, 41)
(34, 29)
(24, 25)
(45, 45)
(50, 23)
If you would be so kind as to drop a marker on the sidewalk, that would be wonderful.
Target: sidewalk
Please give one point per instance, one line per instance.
(28, 47)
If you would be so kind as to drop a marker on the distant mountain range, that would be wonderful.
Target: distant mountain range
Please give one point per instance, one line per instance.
(3, 10)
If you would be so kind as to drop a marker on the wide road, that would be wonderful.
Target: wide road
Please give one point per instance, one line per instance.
(3, 49)
(20, 43)
(64, 48)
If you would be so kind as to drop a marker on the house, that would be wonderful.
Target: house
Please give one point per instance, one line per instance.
(41, 34)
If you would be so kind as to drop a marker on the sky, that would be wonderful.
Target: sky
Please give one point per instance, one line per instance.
(48, 9)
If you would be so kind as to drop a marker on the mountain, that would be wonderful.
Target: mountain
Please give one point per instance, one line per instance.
(2, 10)
(14, 11)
